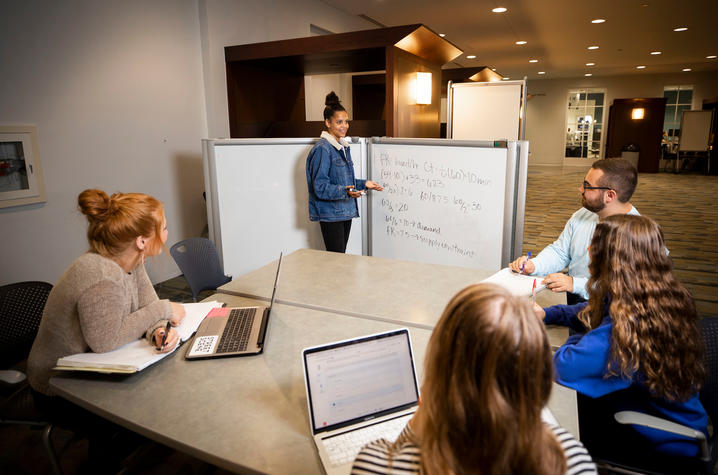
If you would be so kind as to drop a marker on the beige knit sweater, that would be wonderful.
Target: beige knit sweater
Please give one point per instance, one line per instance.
(94, 306)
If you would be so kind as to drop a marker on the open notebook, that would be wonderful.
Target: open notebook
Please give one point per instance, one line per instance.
(517, 284)
(139, 354)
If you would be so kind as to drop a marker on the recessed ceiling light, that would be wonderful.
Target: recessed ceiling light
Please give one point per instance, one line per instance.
(588, 74)
(590, 64)
(655, 53)
(505, 79)
(533, 60)
(499, 9)
(685, 70)
(442, 34)
(711, 57)
(542, 72)
(680, 28)
(471, 56)
(598, 20)
(593, 47)
(640, 67)
(493, 69)
(521, 42)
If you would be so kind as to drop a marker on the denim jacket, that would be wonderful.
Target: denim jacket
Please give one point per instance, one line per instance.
(329, 171)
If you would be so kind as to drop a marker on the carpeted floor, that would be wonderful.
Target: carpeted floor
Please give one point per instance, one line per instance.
(683, 204)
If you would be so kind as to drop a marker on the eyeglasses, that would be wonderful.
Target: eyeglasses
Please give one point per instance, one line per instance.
(587, 186)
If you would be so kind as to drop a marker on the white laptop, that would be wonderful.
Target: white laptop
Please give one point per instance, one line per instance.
(358, 391)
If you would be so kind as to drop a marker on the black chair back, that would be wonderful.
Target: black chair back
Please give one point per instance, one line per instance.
(21, 307)
(198, 260)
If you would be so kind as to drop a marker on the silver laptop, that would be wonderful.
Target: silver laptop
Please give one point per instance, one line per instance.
(358, 391)
(237, 331)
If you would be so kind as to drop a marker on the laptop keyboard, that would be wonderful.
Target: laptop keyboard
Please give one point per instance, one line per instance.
(344, 448)
(236, 333)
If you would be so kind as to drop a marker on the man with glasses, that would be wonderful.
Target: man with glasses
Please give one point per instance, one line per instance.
(605, 191)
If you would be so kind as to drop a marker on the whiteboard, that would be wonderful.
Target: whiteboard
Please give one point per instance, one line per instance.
(444, 201)
(695, 131)
(486, 110)
(257, 200)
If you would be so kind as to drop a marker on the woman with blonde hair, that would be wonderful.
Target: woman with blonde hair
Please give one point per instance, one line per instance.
(641, 349)
(487, 377)
(105, 298)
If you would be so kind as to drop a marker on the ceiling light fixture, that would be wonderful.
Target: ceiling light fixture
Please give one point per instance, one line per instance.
(685, 70)
(711, 57)
(533, 60)
(640, 67)
(593, 47)
(442, 34)
(590, 64)
(499, 9)
(680, 28)
(542, 72)
(655, 53)
(521, 42)
(598, 20)
(505, 79)
(493, 69)
(588, 74)
(471, 56)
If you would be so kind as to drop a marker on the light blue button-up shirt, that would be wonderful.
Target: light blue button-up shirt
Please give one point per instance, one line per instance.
(571, 249)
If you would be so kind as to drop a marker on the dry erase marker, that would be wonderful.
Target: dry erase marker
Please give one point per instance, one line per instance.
(524, 263)
(167, 332)
(533, 293)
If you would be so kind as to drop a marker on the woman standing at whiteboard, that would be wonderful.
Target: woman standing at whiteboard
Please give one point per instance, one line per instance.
(332, 186)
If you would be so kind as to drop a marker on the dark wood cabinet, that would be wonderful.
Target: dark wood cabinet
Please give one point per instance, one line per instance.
(645, 133)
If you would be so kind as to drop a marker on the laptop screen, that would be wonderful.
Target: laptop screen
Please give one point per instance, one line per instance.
(356, 380)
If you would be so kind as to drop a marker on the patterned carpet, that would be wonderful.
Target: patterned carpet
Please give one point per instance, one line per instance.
(683, 204)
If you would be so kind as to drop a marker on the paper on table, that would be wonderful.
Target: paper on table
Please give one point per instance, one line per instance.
(138, 354)
(517, 284)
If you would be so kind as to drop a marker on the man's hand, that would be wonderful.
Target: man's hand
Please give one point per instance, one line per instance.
(559, 282)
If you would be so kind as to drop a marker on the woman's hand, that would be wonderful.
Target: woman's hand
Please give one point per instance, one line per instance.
(178, 313)
(170, 342)
(539, 311)
(371, 185)
(352, 192)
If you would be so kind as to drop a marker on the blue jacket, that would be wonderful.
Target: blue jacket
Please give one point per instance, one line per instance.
(581, 363)
(329, 171)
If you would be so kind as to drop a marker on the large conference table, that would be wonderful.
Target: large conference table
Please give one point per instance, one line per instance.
(402, 292)
(248, 414)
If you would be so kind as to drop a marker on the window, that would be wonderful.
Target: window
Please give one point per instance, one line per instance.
(584, 123)
(678, 99)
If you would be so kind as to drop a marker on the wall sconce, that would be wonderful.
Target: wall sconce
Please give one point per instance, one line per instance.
(423, 88)
(637, 113)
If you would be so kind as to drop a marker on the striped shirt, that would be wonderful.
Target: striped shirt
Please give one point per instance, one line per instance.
(406, 459)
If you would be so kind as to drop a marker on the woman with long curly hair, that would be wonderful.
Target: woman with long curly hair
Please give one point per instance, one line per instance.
(487, 376)
(641, 349)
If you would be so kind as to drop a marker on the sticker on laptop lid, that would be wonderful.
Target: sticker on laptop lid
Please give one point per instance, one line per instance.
(218, 312)
(204, 345)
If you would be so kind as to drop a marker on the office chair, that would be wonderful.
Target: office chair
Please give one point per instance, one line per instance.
(21, 307)
(198, 260)
(705, 461)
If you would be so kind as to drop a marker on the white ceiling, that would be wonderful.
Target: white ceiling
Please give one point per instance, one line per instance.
(558, 33)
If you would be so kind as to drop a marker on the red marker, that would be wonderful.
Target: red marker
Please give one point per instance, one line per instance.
(533, 292)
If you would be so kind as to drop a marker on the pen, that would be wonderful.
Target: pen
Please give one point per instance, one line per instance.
(167, 332)
(524, 263)
(533, 293)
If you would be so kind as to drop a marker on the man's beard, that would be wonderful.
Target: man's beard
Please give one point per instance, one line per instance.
(595, 207)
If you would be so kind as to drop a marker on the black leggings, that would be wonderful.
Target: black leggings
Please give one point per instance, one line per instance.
(336, 235)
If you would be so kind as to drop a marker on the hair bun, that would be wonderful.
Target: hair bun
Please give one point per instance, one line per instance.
(96, 205)
(332, 98)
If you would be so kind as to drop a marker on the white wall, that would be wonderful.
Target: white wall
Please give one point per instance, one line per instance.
(546, 111)
(316, 88)
(115, 89)
(122, 92)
